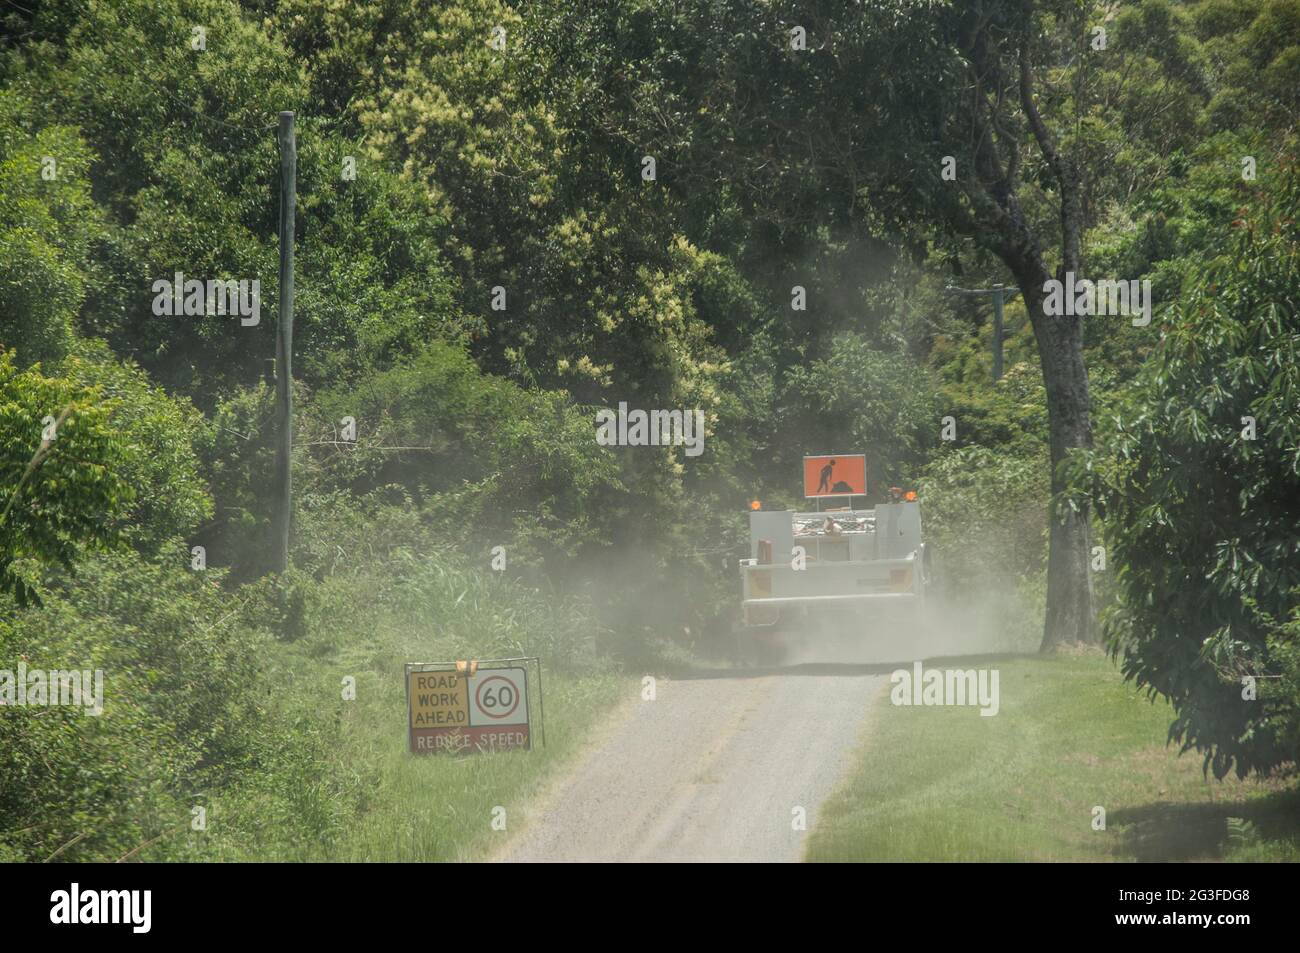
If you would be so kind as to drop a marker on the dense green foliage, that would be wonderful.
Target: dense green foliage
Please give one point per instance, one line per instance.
(178, 673)
(61, 462)
(1203, 502)
(435, 167)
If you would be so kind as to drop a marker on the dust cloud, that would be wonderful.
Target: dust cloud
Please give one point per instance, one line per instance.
(992, 621)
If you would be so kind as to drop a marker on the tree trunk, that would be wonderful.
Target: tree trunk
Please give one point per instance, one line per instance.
(1069, 577)
(1060, 348)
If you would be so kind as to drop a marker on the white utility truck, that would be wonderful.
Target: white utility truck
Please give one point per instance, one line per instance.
(832, 576)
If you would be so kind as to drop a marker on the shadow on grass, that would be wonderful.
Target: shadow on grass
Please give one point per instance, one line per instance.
(1180, 832)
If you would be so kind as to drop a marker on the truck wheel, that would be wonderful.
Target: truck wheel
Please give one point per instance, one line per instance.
(768, 653)
(742, 652)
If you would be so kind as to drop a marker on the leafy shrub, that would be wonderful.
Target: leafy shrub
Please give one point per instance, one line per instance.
(47, 226)
(484, 458)
(160, 433)
(1202, 520)
(182, 695)
(60, 470)
(985, 514)
(861, 397)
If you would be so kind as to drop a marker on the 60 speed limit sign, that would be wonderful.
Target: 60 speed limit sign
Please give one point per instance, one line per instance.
(498, 696)
(451, 711)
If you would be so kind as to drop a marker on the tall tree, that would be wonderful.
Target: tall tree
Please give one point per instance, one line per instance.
(843, 115)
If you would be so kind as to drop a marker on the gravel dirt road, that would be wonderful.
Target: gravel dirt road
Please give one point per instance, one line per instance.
(711, 770)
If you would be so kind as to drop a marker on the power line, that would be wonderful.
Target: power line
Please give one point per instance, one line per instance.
(999, 294)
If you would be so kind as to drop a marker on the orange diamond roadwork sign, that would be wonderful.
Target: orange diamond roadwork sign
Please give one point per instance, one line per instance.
(835, 475)
(455, 711)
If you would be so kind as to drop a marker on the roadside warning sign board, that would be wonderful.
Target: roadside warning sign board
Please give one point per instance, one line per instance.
(438, 700)
(453, 711)
(835, 475)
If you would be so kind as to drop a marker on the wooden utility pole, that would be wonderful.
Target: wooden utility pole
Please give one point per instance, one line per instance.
(284, 345)
(1000, 294)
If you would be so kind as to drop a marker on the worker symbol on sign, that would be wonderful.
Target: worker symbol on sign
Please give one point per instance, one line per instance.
(824, 486)
(839, 475)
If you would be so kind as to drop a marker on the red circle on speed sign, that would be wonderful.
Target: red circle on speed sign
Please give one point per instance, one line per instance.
(478, 696)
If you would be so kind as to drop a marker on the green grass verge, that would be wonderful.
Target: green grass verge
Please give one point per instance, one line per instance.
(331, 779)
(363, 797)
(440, 807)
(945, 784)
